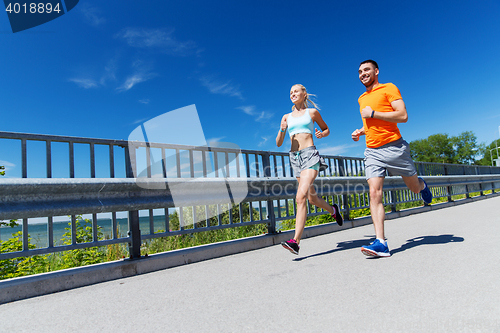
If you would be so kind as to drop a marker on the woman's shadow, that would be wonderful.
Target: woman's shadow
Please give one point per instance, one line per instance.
(410, 243)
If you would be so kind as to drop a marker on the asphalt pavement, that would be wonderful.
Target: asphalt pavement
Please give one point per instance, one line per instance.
(443, 276)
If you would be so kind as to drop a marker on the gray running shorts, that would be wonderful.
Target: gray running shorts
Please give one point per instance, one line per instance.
(306, 158)
(394, 157)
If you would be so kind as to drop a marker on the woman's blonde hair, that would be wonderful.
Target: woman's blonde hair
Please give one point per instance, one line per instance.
(308, 102)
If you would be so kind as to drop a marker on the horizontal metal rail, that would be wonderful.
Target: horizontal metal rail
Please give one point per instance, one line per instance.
(31, 198)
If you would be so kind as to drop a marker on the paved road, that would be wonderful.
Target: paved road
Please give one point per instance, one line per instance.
(443, 276)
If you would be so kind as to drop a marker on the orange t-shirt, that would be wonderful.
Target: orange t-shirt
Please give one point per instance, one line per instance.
(380, 132)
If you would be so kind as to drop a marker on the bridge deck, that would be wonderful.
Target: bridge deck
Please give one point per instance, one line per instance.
(443, 276)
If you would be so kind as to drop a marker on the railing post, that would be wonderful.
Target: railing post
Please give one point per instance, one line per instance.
(266, 166)
(134, 233)
(480, 184)
(467, 196)
(345, 197)
(448, 188)
(134, 230)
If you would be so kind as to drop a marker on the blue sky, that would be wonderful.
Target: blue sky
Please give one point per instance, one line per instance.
(105, 67)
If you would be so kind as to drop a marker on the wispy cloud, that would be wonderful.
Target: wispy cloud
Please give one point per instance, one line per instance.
(85, 83)
(92, 15)
(260, 116)
(86, 80)
(144, 101)
(336, 150)
(141, 73)
(223, 88)
(134, 79)
(8, 166)
(215, 139)
(159, 39)
(109, 72)
(263, 141)
(248, 109)
(140, 121)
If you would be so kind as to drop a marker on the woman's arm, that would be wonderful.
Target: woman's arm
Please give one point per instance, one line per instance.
(316, 117)
(281, 134)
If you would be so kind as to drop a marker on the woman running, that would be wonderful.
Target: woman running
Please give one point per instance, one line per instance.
(304, 158)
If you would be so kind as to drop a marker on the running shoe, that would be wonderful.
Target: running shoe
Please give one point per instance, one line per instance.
(291, 246)
(426, 193)
(376, 249)
(337, 216)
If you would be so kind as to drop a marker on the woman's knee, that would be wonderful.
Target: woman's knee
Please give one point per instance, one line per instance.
(300, 198)
(375, 194)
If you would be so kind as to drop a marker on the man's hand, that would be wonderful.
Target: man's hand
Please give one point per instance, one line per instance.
(366, 112)
(355, 135)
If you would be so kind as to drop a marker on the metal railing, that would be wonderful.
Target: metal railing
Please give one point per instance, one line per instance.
(140, 177)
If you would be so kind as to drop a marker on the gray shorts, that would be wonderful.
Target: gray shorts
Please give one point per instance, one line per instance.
(394, 157)
(307, 158)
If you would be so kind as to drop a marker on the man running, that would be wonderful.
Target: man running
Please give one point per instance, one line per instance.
(381, 108)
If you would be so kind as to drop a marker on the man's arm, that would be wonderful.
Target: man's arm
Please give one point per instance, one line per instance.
(399, 115)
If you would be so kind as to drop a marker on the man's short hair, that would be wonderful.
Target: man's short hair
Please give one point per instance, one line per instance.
(369, 61)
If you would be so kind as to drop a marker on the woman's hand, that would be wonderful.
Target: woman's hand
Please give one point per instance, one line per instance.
(284, 124)
(319, 134)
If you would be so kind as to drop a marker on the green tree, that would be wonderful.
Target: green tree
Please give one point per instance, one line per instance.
(437, 148)
(441, 148)
(488, 152)
(466, 148)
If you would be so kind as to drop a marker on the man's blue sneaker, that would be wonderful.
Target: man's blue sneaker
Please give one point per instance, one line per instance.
(426, 193)
(376, 249)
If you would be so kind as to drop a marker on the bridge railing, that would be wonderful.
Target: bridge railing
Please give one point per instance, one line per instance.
(140, 186)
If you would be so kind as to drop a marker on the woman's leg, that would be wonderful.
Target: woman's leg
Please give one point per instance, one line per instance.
(305, 181)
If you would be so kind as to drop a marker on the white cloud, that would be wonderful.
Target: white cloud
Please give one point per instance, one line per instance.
(144, 101)
(249, 109)
(264, 116)
(336, 150)
(223, 88)
(92, 15)
(261, 116)
(264, 140)
(160, 39)
(215, 139)
(109, 72)
(134, 79)
(94, 80)
(140, 121)
(85, 83)
(8, 166)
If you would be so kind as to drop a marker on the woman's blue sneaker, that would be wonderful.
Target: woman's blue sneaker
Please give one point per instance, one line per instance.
(426, 193)
(376, 249)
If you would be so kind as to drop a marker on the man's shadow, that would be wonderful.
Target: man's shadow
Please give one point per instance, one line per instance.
(427, 240)
(410, 243)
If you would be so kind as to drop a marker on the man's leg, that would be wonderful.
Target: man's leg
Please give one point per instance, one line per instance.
(379, 247)
(414, 183)
(376, 205)
(418, 185)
